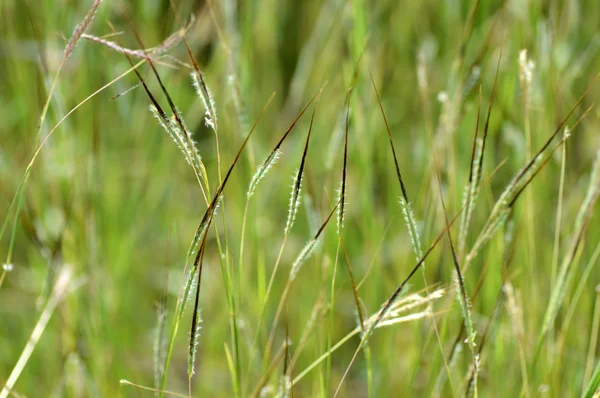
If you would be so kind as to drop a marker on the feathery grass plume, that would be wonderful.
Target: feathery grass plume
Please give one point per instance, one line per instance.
(394, 315)
(407, 211)
(456, 347)
(159, 335)
(116, 47)
(471, 190)
(461, 292)
(581, 223)
(194, 337)
(525, 175)
(203, 92)
(274, 155)
(80, 29)
(262, 170)
(390, 301)
(297, 185)
(302, 257)
(342, 191)
(176, 114)
(163, 47)
(259, 174)
(478, 153)
(504, 204)
(184, 142)
(475, 368)
(176, 129)
(310, 246)
(200, 236)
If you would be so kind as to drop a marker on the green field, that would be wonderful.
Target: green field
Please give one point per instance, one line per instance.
(316, 198)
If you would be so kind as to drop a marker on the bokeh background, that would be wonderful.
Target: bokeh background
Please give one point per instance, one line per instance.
(111, 198)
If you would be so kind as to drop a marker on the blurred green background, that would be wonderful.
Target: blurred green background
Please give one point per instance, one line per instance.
(111, 197)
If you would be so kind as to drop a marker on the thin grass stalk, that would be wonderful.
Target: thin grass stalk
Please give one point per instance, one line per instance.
(339, 225)
(318, 312)
(407, 212)
(265, 378)
(594, 385)
(471, 187)
(159, 336)
(558, 225)
(564, 276)
(406, 304)
(574, 302)
(526, 67)
(304, 254)
(514, 305)
(125, 382)
(461, 292)
(200, 236)
(23, 182)
(512, 192)
(593, 340)
(258, 176)
(74, 39)
(211, 121)
(509, 243)
(390, 301)
(61, 289)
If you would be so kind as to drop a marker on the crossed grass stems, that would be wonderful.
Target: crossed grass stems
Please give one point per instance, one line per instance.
(501, 213)
(394, 309)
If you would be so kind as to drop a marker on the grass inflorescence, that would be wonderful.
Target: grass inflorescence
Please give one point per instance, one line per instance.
(453, 142)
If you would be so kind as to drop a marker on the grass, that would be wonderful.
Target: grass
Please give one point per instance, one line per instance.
(454, 146)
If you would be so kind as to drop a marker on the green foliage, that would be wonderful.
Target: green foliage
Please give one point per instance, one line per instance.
(94, 189)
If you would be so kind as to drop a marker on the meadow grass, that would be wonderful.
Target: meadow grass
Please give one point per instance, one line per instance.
(153, 246)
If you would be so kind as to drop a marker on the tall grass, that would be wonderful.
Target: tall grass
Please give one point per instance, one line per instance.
(145, 168)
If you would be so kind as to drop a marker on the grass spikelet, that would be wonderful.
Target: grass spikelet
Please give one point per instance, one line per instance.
(80, 29)
(342, 191)
(461, 292)
(260, 174)
(297, 185)
(209, 103)
(411, 224)
(194, 343)
(471, 190)
(275, 153)
(305, 253)
(184, 142)
(394, 315)
(310, 246)
(262, 171)
(503, 206)
(167, 44)
(200, 236)
(392, 299)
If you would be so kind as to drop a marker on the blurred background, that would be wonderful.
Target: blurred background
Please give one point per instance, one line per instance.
(111, 200)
